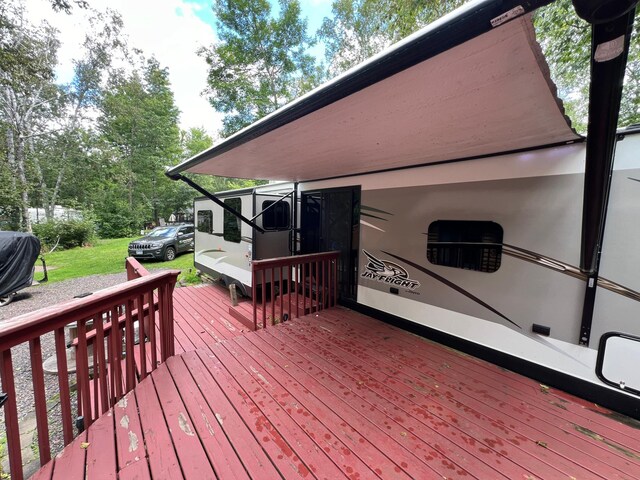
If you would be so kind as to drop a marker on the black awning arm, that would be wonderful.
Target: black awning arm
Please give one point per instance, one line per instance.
(272, 205)
(216, 200)
(611, 34)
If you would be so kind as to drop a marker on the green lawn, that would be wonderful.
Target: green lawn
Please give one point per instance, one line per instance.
(107, 256)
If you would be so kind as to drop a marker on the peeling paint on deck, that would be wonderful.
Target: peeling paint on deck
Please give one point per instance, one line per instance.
(133, 442)
(184, 424)
(599, 438)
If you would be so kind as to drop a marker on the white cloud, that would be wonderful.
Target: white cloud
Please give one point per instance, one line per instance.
(167, 29)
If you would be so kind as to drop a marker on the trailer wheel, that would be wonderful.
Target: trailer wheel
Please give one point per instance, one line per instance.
(6, 299)
(169, 254)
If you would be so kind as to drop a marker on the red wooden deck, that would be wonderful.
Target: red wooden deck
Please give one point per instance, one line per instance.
(334, 395)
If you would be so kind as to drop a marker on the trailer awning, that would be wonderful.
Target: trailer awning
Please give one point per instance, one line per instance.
(464, 87)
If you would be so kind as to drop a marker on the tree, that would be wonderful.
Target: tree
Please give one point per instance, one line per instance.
(359, 29)
(566, 42)
(27, 94)
(261, 61)
(66, 5)
(69, 141)
(139, 120)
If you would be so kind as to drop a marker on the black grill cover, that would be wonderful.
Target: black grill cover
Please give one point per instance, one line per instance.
(18, 254)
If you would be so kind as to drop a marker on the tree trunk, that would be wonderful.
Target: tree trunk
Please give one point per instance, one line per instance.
(25, 221)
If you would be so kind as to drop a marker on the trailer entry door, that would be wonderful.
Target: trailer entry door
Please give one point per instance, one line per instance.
(330, 220)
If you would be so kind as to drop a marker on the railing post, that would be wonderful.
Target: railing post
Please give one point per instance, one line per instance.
(254, 291)
(11, 416)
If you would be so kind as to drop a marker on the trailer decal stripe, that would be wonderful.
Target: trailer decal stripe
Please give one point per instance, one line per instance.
(367, 224)
(453, 286)
(372, 216)
(372, 209)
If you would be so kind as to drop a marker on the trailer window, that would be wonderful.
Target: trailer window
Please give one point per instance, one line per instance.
(231, 231)
(470, 245)
(277, 217)
(205, 221)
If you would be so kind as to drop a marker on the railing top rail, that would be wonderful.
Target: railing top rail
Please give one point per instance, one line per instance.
(293, 260)
(136, 267)
(30, 325)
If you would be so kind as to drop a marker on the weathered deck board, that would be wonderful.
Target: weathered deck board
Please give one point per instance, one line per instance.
(481, 440)
(339, 395)
(101, 451)
(128, 431)
(521, 397)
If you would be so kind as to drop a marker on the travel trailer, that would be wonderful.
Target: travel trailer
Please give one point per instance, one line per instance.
(225, 246)
(463, 204)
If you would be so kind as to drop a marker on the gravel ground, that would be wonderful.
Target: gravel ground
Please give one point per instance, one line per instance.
(31, 299)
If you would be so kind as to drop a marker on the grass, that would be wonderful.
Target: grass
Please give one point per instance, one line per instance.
(107, 256)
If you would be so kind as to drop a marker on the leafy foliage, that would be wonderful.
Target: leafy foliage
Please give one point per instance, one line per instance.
(358, 29)
(261, 61)
(566, 42)
(65, 233)
(139, 121)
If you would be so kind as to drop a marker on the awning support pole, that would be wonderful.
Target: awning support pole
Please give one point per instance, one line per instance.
(609, 50)
(216, 200)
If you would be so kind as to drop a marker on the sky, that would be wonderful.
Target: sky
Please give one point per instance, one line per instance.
(172, 31)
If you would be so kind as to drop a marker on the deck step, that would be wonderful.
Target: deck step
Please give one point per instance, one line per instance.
(236, 313)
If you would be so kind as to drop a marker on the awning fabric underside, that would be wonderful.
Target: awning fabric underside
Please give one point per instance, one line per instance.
(491, 94)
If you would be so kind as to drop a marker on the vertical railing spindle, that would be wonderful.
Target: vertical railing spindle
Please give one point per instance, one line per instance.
(152, 331)
(129, 345)
(95, 380)
(82, 373)
(296, 272)
(63, 385)
(254, 300)
(317, 279)
(281, 293)
(117, 341)
(263, 295)
(324, 283)
(99, 364)
(162, 320)
(335, 282)
(273, 293)
(142, 342)
(171, 338)
(40, 400)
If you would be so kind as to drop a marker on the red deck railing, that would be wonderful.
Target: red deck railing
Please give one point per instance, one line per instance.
(103, 375)
(306, 283)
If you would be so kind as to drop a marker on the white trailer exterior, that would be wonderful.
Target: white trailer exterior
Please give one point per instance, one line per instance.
(225, 246)
(446, 174)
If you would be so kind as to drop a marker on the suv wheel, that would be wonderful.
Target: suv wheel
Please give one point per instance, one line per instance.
(169, 254)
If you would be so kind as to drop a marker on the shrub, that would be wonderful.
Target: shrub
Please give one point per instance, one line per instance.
(72, 233)
(115, 226)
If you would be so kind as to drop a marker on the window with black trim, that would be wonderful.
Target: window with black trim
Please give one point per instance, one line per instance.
(205, 221)
(278, 217)
(231, 230)
(470, 245)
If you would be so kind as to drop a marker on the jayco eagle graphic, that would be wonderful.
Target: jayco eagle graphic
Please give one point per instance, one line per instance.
(384, 271)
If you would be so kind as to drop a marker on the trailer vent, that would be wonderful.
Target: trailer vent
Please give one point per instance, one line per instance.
(470, 245)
